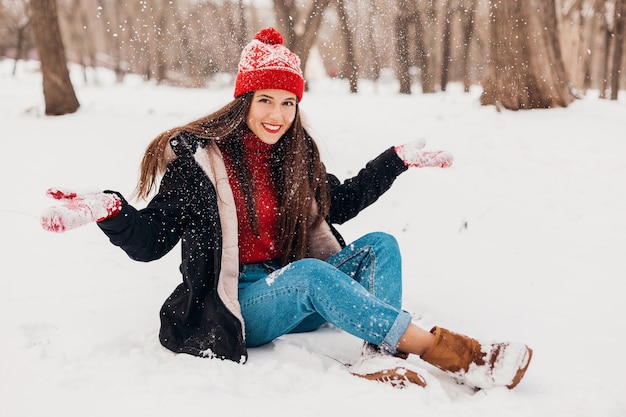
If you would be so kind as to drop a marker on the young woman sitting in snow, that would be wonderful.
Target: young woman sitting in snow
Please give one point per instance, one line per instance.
(245, 192)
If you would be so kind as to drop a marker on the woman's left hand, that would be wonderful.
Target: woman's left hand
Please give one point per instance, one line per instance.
(413, 155)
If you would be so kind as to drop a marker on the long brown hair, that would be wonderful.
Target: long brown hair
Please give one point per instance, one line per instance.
(297, 171)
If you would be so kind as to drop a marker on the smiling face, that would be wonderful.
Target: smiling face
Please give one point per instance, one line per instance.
(271, 114)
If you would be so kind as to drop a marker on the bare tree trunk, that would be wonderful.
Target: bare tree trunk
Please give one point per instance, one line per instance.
(80, 36)
(241, 34)
(375, 66)
(403, 61)
(585, 34)
(284, 11)
(572, 24)
(469, 14)
(446, 39)
(112, 42)
(350, 64)
(159, 42)
(526, 65)
(21, 37)
(58, 91)
(465, 11)
(301, 39)
(425, 27)
(608, 35)
(597, 26)
(618, 47)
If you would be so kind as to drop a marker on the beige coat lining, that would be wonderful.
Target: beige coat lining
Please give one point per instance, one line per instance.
(322, 242)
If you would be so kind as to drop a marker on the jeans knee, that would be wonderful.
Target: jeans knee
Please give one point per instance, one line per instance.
(309, 264)
(384, 239)
(311, 273)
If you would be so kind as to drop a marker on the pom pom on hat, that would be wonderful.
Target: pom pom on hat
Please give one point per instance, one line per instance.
(269, 36)
(266, 63)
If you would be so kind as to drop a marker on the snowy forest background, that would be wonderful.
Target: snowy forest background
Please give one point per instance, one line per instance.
(422, 44)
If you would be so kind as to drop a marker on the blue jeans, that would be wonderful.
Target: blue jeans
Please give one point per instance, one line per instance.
(358, 290)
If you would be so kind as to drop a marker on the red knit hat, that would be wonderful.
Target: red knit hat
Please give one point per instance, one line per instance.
(266, 64)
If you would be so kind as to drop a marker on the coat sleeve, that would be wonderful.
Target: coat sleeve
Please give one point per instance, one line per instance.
(150, 233)
(356, 193)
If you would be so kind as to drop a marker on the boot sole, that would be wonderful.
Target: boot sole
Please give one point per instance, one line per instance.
(399, 377)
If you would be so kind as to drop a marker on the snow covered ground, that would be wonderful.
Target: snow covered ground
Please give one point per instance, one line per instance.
(524, 238)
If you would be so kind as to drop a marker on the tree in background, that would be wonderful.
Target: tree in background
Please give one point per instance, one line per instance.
(618, 46)
(401, 41)
(463, 13)
(351, 67)
(592, 36)
(428, 43)
(15, 21)
(422, 18)
(299, 31)
(58, 91)
(526, 69)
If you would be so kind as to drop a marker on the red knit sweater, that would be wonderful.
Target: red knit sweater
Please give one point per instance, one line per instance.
(264, 247)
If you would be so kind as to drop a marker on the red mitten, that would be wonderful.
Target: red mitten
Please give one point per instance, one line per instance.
(413, 156)
(78, 209)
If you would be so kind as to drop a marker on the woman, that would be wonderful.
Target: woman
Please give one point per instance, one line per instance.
(246, 194)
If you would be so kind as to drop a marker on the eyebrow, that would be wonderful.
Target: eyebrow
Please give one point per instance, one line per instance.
(273, 98)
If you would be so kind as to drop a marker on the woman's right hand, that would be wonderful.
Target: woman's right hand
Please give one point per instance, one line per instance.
(78, 209)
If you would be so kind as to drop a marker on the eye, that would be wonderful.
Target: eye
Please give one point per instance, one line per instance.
(289, 103)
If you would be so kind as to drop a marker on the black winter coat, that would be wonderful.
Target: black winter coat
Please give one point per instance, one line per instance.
(195, 318)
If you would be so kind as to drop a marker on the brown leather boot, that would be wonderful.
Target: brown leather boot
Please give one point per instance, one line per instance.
(479, 365)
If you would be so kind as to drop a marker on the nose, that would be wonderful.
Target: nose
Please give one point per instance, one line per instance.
(275, 112)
